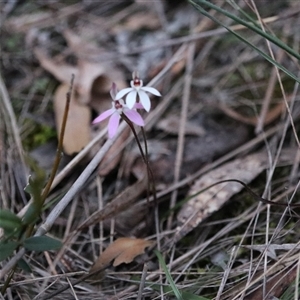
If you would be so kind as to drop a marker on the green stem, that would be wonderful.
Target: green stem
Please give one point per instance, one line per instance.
(60, 142)
(149, 168)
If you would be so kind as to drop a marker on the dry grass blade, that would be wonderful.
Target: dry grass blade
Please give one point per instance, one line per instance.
(12, 125)
(276, 285)
(242, 248)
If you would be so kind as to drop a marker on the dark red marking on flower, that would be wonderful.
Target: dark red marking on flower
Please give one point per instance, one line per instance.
(136, 82)
(118, 104)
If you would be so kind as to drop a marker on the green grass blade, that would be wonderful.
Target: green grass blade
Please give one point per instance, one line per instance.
(264, 55)
(42, 243)
(254, 28)
(168, 275)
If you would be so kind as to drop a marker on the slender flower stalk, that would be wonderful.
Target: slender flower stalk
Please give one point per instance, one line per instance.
(115, 113)
(137, 92)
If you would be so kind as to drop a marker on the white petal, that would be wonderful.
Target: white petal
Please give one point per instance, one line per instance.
(113, 125)
(151, 90)
(134, 117)
(122, 93)
(113, 91)
(144, 99)
(104, 115)
(131, 99)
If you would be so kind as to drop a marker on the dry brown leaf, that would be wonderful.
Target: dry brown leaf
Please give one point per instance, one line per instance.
(203, 205)
(93, 77)
(123, 250)
(77, 133)
(61, 71)
(87, 73)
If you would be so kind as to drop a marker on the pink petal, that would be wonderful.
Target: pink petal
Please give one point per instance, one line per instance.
(134, 117)
(122, 93)
(138, 106)
(151, 90)
(113, 91)
(144, 99)
(113, 125)
(103, 116)
(131, 99)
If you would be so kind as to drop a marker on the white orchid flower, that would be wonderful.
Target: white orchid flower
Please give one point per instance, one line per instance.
(137, 89)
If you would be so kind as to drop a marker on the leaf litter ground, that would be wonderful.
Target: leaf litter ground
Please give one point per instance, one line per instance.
(215, 90)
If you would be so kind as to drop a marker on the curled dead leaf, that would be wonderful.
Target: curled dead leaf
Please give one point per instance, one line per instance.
(90, 77)
(77, 133)
(86, 74)
(122, 250)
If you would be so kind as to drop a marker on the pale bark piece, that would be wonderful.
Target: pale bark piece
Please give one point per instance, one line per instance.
(204, 204)
(122, 250)
(172, 123)
(78, 128)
